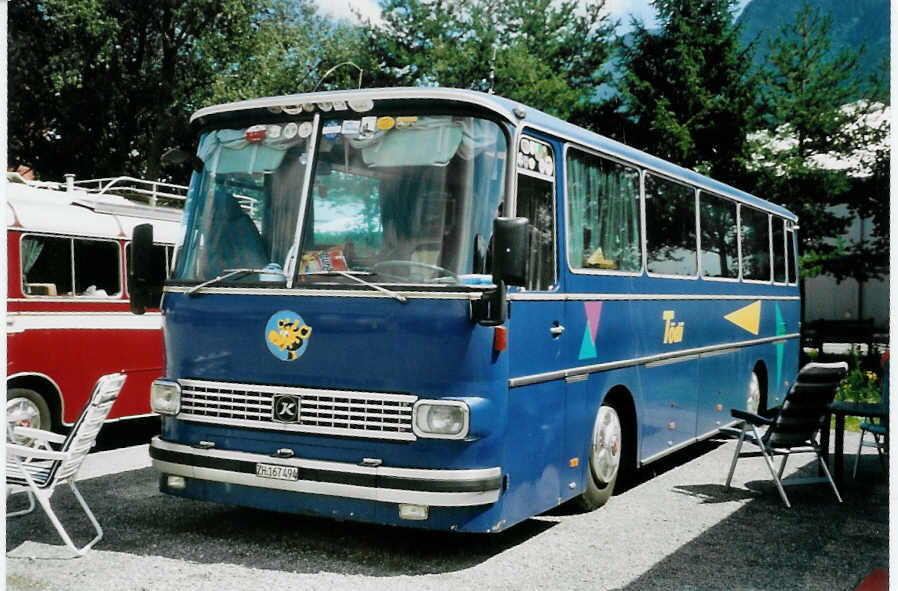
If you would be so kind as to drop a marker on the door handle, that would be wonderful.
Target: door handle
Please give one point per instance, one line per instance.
(557, 330)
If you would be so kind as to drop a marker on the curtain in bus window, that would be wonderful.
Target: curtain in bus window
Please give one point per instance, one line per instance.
(536, 204)
(281, 210)
(669, 227)
(603, 226)
(720, 255)
(31, 249)
(755, 232)
(49, 273)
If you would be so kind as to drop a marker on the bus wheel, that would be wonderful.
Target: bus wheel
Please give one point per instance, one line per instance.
(753, 399)
(604, 458)
(25, 408)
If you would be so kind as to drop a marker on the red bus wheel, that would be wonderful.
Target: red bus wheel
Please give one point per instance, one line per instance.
(25, 408)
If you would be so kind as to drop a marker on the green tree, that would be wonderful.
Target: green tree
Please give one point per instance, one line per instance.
(811, 151)
(103, 87)
(550, 55)
(687, 90)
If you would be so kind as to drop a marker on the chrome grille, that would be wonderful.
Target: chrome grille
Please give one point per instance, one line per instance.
(324, 412)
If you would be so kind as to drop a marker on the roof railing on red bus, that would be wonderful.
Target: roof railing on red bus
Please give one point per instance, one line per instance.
(151, 192)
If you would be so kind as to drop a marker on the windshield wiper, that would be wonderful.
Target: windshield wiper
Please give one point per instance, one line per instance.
(228, 274)
(354, 276)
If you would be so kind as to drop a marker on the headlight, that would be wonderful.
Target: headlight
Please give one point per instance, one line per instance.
(441, 419)
(165, 397)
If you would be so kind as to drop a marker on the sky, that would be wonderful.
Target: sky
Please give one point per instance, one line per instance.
(620, 9)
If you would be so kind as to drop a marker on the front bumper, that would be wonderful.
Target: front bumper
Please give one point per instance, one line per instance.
(436, 488)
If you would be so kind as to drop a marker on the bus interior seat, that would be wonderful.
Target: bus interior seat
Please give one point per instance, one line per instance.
(234, 240)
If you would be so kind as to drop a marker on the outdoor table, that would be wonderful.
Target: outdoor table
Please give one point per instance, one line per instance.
(841, 410)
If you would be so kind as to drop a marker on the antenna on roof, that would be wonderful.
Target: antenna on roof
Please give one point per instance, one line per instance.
(328, 73)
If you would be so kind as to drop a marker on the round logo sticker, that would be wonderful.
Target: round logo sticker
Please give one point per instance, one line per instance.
(287, 335)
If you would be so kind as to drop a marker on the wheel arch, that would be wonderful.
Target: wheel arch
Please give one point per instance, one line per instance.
(46, 387)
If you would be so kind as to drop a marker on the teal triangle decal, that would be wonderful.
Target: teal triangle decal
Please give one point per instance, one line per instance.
(587, 347)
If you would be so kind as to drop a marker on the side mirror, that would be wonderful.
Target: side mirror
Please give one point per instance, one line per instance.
(510, 253)
(139, 267)
(175, 156)
(511, 250)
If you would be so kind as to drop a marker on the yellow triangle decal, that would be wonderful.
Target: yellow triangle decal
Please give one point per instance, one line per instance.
(747, 318)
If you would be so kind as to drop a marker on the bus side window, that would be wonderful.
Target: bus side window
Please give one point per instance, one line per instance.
(791, 272)
(720, 248)
(669, 227)
(535, 202)
(779, 251)
(46, 265)
(603, 214)
(755, 235)
(97, 268)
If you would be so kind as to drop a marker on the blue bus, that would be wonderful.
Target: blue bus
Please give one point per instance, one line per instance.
(442, 309)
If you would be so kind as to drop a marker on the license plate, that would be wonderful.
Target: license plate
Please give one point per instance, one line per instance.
(277, 472)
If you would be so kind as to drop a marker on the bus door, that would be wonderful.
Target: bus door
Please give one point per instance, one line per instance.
(536, 336)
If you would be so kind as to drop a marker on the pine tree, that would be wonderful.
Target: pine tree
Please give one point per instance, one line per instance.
(687, 89)
(808, 152)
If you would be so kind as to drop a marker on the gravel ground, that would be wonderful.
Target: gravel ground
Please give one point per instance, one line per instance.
(675, 527)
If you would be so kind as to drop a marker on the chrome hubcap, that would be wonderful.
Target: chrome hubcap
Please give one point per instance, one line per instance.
(606, 445)
(753, 401)
(21, 412)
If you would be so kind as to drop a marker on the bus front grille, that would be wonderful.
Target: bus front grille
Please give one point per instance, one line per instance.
(373, 415)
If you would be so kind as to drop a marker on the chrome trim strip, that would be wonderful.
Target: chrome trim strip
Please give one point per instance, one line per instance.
(437, 478)
(609, 365)
(672, 360)
(574, 297)
(334, 293)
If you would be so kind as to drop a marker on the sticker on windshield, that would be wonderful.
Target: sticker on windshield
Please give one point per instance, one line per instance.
(290, 130)
(369, 126)
(305, 129)
(287, 335)
(385, 123)
(331, 129)
(351, 127)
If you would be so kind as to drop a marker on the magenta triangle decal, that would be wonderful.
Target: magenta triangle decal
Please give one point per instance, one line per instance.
(593, 316)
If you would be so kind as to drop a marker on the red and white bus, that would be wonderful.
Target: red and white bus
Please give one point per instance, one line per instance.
(68, 313)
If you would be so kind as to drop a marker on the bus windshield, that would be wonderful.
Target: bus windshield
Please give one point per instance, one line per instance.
(404, 199)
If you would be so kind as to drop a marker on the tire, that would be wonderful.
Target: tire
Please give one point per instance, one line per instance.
(605, 454)
(26, 408)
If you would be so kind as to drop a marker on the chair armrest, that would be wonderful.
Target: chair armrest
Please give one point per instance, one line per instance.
(33, 453)
(40, 434)
(750, 417)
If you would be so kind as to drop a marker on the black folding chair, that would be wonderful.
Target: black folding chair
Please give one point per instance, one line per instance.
(795, 427)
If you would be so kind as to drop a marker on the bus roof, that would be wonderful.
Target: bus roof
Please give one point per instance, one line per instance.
(82, 213)
(507, 109)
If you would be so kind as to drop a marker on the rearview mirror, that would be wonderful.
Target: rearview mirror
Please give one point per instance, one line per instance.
(140, 289)
(175, 156)
(511, 250)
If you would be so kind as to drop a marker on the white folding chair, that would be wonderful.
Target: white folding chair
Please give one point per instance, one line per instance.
(40, 469)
